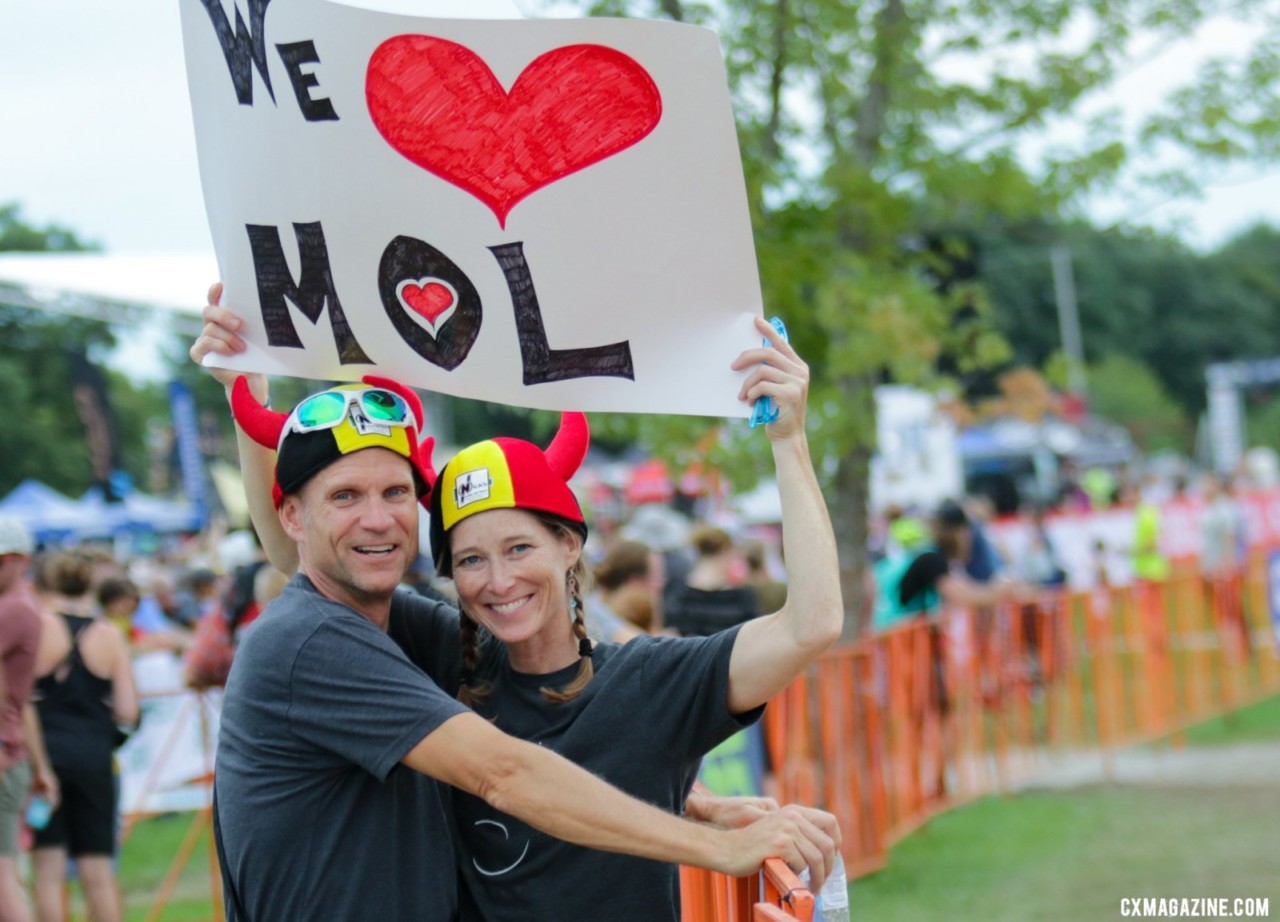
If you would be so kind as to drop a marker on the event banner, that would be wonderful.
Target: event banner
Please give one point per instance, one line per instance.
(545, 213)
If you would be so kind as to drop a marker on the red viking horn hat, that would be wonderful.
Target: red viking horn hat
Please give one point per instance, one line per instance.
(260, 423)
(568, 449)
(507, 473)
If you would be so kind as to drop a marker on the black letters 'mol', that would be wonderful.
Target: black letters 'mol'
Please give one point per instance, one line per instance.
(310, 293)
(542, 363)
(242, 48)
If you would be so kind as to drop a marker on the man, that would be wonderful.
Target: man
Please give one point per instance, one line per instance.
(332, 742)
(21, 746)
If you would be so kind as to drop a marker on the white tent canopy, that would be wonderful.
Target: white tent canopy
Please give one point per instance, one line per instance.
(166, 282)
(151, 295)
(53, 517)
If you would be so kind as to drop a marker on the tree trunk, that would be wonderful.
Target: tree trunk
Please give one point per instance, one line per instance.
(777, 76)
(849, 507)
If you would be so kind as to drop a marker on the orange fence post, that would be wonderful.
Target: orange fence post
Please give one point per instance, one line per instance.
(763, 912)
(1187, 652)
(783, 889)
(1265, 644)
(1100, 632)
(1153, 647)
(841, 743)
(1072, 669)
(872, 713)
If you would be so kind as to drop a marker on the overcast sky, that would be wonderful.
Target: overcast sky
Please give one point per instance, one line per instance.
(97, 128)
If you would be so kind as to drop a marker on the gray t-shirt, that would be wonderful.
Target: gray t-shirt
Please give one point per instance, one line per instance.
(317, 819)
(655, 706)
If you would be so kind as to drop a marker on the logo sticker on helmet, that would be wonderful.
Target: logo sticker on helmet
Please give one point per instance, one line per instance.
(471, 487)
(366, 426)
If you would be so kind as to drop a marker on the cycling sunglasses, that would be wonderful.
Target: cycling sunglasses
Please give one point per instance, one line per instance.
(328, 409)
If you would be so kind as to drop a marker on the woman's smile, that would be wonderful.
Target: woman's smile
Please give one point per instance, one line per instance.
(508, 608)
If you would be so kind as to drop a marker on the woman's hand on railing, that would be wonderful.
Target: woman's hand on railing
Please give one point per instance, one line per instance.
(802, 837)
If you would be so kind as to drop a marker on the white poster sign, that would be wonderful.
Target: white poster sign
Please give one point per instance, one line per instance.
(543, 213)
(166, 765)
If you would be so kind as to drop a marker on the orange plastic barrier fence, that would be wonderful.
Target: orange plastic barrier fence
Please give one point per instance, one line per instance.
(890, 730)
(775, 893)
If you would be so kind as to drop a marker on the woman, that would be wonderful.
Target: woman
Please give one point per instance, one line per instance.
(84, 690)
(708, 600)
(628, 580)
(770, 593)
(509, 531)
(640, 715)
(931, 577)
(118, 598)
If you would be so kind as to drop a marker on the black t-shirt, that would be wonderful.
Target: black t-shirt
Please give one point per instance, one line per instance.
(317, 819)
(655, 706)
(703, 612)
(427, 631)
(922, 576)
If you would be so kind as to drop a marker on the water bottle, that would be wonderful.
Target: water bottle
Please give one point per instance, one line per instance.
(832, 904)
(38, 812)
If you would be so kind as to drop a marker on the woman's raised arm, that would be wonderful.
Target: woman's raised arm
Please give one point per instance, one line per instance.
(772, 649)
(221, 335)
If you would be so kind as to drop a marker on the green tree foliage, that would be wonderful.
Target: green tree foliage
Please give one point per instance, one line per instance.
(1123, 389)
(47, 442)
(881, 140)
(1262, 419)
(1148, 296)
(17, 235)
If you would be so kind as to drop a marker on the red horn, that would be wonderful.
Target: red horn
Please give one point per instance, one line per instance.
(410, 397)
(427, 469)
(424, 458)
(261, 424)
(569, 447)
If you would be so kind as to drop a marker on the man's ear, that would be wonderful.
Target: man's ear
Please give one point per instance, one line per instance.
(290, 513)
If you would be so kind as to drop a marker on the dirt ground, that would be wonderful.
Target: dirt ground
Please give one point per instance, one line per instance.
(1248, 764)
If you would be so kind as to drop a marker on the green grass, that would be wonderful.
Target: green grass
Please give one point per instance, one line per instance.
(1075, 854)
(1066, 856)
(1257, 723)
(145, 859)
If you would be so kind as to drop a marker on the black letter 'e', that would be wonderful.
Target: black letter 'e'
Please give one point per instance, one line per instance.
(294, 55)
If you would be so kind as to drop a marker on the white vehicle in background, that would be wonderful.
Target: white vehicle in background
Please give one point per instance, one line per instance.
(917, 460)
(923, 457)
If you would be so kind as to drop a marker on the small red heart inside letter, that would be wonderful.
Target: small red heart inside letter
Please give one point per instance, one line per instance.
(430, 300)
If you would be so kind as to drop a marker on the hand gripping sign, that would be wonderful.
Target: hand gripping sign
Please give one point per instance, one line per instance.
(543, 213)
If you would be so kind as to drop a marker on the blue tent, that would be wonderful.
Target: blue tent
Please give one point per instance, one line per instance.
(57, 519)
(138, 512)
(52, 517)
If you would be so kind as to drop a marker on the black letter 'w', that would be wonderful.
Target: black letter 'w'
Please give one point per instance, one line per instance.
(242, 47)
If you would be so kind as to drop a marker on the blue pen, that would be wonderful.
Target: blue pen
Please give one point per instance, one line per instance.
(763, 411)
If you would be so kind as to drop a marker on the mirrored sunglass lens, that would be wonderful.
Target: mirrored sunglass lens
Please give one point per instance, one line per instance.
(384, 406)
(322, 409)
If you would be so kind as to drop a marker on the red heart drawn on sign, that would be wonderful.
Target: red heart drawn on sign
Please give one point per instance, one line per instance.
(439, 105)
(431, 298)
